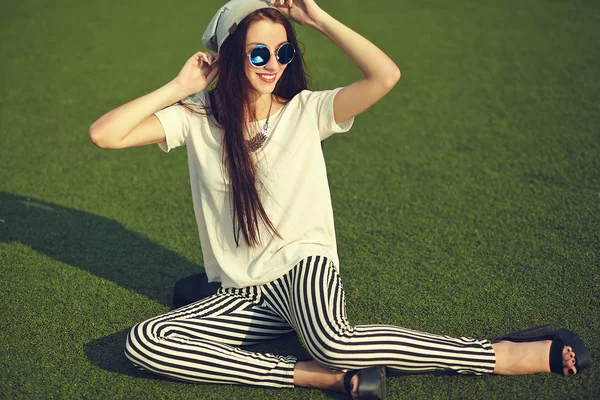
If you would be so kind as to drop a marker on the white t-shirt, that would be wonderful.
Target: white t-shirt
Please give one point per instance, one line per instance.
(291, 168)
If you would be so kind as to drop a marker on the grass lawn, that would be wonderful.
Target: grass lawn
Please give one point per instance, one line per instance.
(467, 201)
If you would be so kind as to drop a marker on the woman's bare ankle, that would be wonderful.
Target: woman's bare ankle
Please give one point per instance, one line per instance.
(312, 374)
(522, 358)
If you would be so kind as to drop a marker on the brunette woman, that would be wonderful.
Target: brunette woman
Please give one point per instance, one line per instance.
(264, 214)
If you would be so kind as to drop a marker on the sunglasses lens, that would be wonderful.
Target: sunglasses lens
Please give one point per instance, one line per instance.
(285, 55)
(259, 56)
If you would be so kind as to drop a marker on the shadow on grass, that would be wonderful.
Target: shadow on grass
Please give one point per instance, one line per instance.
(107, 353)
(95, 244)
(106, 249)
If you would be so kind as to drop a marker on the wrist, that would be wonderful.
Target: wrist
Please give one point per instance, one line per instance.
(322, 20)
(177, 89)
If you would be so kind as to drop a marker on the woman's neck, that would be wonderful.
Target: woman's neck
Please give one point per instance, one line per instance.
(261, 105)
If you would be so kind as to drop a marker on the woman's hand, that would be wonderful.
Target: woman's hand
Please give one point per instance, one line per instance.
(304, 12)
(197, 73)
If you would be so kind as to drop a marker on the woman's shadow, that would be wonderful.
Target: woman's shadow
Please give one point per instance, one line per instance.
(107, 249)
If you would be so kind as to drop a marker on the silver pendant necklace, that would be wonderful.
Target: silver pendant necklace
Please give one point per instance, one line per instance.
(260, 138)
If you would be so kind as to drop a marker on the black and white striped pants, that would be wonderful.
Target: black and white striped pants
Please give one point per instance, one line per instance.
(200, 342)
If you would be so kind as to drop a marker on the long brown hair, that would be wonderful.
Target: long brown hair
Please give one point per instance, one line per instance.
(231, 104)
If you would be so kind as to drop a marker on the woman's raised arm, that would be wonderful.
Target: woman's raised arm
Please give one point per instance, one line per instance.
(380, 72)
(134, 124)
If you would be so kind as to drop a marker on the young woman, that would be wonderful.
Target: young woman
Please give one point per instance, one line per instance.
(265, 218)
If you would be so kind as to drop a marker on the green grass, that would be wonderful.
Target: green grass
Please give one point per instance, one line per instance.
(467, 202)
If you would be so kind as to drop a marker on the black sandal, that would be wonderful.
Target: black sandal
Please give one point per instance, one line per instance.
(560, 338)
(371, 385)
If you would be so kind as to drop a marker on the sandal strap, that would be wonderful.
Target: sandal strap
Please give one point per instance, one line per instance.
(527, 335)
(347, 378)
(556, 355)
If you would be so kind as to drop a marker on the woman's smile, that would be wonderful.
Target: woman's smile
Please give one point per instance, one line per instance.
(269, 78)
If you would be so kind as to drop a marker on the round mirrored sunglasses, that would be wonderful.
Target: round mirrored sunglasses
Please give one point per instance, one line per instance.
(260, 55)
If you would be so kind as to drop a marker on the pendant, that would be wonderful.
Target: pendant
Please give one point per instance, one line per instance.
(259, 139)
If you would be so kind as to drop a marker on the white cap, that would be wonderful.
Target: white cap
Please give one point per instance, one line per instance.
(226, 20)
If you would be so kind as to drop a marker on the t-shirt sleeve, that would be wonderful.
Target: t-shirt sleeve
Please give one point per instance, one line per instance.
(320, 104)
(175, 121)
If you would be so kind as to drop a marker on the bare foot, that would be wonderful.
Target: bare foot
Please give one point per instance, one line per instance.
(529, 358)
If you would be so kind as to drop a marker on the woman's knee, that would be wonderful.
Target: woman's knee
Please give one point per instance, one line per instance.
(138, 346)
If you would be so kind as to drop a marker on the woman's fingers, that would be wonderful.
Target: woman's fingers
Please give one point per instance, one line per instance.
(212, 74)
(203, 57)
(210, 58)
(207, 68)
(200, 57)
(284, 3)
